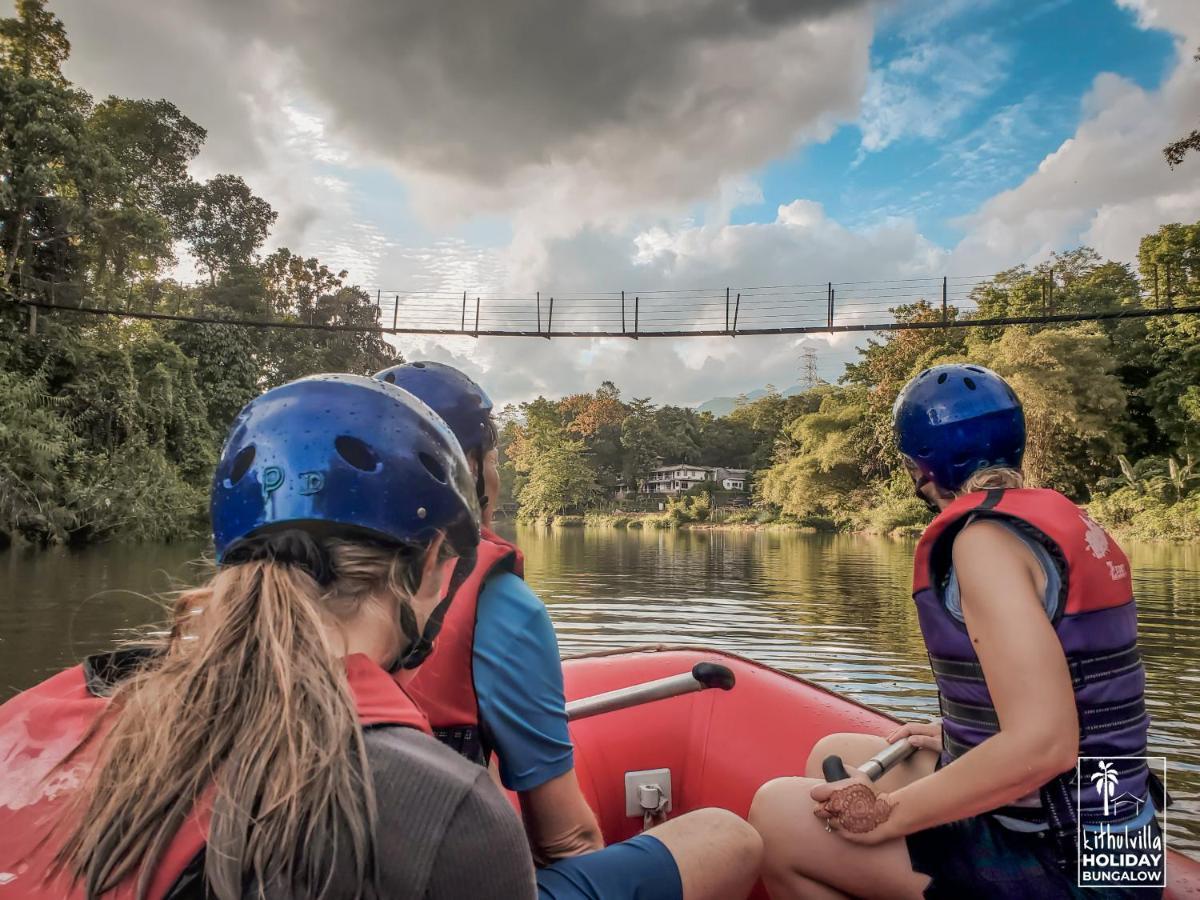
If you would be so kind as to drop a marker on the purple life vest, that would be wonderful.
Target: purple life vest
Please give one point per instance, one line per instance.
(1096, 623)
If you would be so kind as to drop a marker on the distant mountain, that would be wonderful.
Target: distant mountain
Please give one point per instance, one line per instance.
(723, 406)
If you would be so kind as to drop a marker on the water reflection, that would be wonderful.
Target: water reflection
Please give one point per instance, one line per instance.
(831, 608)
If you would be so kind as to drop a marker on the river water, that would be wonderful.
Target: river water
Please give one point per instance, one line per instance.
(834, 609)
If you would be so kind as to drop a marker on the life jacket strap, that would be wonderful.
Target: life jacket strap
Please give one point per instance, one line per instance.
(465, 740)
(1084, 668)
(1096, 667)
(970, 714)
(1110, 716)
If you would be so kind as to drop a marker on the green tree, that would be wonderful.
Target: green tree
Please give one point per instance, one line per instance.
(1169, 353)
(1073, 402)
(821, 461)
(639, 441)
(142, 201)
(48, 170)
(597, 419)
(887, 365)
(226, 224)
(559, 481)
(1169, 261)
(34, 42)
(678, 434)
(727, 441)
(34, 441)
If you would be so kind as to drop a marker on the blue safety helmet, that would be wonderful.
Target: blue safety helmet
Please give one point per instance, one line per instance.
(453, 396)
(953, 420)
(345, 455)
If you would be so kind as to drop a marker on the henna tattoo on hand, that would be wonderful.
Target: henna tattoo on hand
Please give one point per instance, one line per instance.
(857, 809)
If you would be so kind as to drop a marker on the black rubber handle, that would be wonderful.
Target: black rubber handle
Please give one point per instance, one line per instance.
(714, 675)
(834, 769)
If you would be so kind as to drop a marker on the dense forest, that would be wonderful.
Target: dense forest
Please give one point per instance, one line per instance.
(109, 427)
(1113, 410)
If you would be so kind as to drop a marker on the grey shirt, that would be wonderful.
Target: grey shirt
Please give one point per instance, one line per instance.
(445, 829)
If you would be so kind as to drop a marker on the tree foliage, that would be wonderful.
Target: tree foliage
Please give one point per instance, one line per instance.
(110, 427)
(1090, 392)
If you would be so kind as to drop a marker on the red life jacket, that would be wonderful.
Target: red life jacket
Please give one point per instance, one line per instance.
(444, 685)
(42, 726)
(1095, 621)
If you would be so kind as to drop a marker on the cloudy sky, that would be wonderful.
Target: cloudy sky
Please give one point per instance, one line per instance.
(600, 145)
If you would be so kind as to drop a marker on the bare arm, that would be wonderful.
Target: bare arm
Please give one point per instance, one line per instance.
(558, 820)
(1027, 676)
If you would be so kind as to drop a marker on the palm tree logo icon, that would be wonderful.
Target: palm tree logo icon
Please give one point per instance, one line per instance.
(1106, 782)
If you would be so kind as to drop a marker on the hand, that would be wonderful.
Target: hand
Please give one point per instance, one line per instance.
(922, 735)
(853, 809)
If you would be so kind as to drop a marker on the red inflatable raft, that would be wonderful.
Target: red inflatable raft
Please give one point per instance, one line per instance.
(719, 746)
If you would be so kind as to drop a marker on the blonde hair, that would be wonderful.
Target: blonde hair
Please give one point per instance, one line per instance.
(993, 478)
(248, 702)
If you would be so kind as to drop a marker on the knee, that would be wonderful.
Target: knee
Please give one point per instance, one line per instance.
(726, 829)
(777, 815)
(772, 799)
(827, 746)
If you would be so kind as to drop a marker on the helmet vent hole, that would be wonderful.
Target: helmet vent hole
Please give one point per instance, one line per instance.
(390, 377)
(433, 467)
(970, 383)
(241, 464)
(942, 378)
(974, 369)
(923, 374)
(357, 453)
(418, 365)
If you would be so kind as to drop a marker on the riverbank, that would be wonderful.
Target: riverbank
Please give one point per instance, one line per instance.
(1144, 519)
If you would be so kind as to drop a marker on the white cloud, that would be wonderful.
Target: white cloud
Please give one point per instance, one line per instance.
(619, 168)
(681, 257)
(924, 92)
(1180, 17)
(1106, 185)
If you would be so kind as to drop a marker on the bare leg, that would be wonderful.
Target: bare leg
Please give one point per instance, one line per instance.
(803, 860)
(717, 852)
(856, 749)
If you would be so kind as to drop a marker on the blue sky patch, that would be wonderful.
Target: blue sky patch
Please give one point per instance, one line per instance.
(962, 105)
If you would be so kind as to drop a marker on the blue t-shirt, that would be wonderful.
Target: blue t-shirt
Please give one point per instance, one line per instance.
(519, 684)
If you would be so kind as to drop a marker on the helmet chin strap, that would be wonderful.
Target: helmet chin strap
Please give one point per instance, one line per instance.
(480, 483)
(918, 487)
(481, 490)
(420, 642)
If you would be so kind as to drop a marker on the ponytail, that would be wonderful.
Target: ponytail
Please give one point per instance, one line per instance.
(248, 710)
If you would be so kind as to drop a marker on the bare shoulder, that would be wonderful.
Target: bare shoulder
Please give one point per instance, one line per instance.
(988, 539)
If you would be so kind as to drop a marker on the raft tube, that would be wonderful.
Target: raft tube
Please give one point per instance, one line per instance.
(720, 746)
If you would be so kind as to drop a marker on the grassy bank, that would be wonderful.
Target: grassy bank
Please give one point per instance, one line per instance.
(1127, 514)
(1131, 515)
